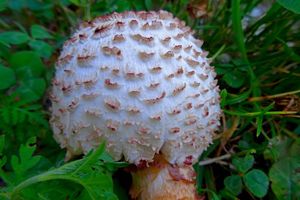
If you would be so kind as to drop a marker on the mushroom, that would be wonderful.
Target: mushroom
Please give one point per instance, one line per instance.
(141, 82)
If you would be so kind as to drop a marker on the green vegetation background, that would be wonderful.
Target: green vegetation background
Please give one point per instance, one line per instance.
(255, 48)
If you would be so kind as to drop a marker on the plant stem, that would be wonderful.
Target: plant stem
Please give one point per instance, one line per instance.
(212, 160)
(255, 114)
(273, 96)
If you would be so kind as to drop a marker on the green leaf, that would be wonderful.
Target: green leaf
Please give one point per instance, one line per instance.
(292, 5)
(233, 184)
(223, 95)
(39, 32)
(234, 79)
(243, 164)
(76, 2)
(17, 4)
(14, 37)
(259, 123)
(3, 5)
(27, 64)
(257, 182)
(25, 160)
(149, 4)
(87, 172)
(7, 77)
(42, 48)
(3, 159)
(2, 140)
(284, 174)
(31, 90)
(285, 178)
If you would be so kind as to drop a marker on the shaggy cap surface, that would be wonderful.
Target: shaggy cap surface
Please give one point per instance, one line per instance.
(139, 81)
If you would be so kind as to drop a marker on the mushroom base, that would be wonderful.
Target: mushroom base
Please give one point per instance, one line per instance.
(163, 181)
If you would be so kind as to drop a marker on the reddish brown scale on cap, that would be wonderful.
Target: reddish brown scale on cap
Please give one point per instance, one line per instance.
(188, 106)
(156, 25)
(154, 85)
(104, 67)
(112, 104)
(90, 83)
(133, 75)
(128, 123)
(99, 31)
(68, 72)
(188, 48)
(155, 100)
(143, 39)
(179, 71)
(89, 96)
(205, 112)
(195, 84)
(133, 110)
(172, 26)
(115, 71)
(64, 60)
(203, 77)
(145, 55)
(133, 140)
(196, 53)
(204, 91)
(169, 76)
(55, 82)
(174, 130)
(144, 130)
(133, 23)
(134, 92)
(113, 85)
(156, 69)
(177, 48)
(82, 37)
(190, 120)
(179, 89)
(66, 89)
(168, 55)
(84, 58)
(112, 51)
(191, 62)
(53, 98)
(190, 73)
(118, 38)
(179, 58)
(179, 36)
(62, 110)
(73, 104)
(120, 25)
(146, 26)
(175, 111)
(166, 40)
(156, 117)
(146, 15)
(112, 125)
(199, 105)
(93, 112)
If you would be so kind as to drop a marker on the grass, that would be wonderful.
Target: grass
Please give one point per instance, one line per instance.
(255, 155)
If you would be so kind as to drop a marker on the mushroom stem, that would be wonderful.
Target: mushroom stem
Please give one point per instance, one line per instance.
(164, 181)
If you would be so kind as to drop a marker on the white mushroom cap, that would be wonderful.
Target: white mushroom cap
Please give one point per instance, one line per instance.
(139, 81)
